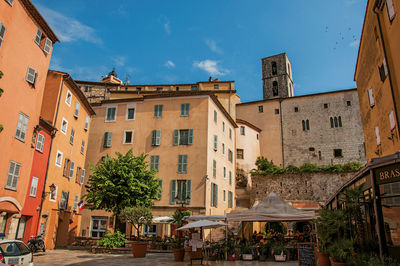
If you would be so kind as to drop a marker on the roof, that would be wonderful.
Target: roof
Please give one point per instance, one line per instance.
(47, 125)
(176, 94)
(300, 96)
(67, 78)
(34, 13)
(144, 85)
(241, 121)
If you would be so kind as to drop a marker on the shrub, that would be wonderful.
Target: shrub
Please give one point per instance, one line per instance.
(111, 241)
(309, 167)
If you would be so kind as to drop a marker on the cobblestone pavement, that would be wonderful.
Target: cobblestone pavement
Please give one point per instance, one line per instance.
(81, 257)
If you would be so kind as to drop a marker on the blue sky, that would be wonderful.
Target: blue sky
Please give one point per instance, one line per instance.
(185, 41)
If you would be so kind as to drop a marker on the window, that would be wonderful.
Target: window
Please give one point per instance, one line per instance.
(371, 98)
(10, 2)
(230, 199)
(128, 136)
(378, 137)
(59, 158)
(83, 172)
(86, 123)
(224, 172)
(31, 75)
(182, 164)
(156, 138)
(183, 137)
(150, 230)
(230, 155)
(336, 121)
(71, 169)
(223, 148)
(274, 68)
(230, 133)
(68, 98)
(64, 200)
(277, 111)
(223, 126)
(177, 88)
(138, 89)
(99, 226)
(348, 103)
(53, 194)
(242, 130)
(76, 112)
(13, 175)
(82, 147)
(158, 111)
(224, 195)
(64, 126)
(389, 190)
(180, 189)
(391, 120)
(78, 174)
(230, 178)
(76, 201)
(159, 89)
(214, 195)
(239, 153)
(185, 109)
(160, 194)
(215, 116)
(337, 153)
(110, 114)
(311, 149)
(47, 46)
(260, 109)
(40, 142)
(216, 86)
(306, 125)
(296, 109)
(390, 9)
(154, 160)
(194, 88)
(87, 89)
(130, 113)
(215, 142)
(71, 138)
(107, 139)
(22, 125)
(275, 88)
(2, 32)
(66, 167)
(214, 168)
(38, 37)
(325, 106)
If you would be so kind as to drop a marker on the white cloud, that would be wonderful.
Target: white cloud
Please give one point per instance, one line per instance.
(68, 29)
(169, 64)
(118, 60)
(210, 66)
(354, 43)
(213, 46)
(165, 23)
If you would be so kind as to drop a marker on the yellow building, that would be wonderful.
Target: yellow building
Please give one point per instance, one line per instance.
(67, 109)
(190, 140)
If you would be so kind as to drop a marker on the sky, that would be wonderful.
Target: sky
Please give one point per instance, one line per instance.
(186, 41)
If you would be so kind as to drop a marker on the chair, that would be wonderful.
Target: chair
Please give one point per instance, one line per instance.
(196, 255)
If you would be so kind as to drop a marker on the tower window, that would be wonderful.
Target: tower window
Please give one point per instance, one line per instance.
(325, 106)
(274, 68)
(277, 111)
(296, 109)
(260, 109)
(305, 124)
(336, 121)
(337, 153)
(275, 88)
(348, 103)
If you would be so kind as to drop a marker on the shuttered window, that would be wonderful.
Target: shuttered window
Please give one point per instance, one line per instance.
(378, 137)
(154, 161)
(230, 178)
(82, 176)
(185, 109)
(64, 200)
(38, 37)
(183, 137)
(173, 191)
(158, 111)
(47, 46)
(214, 168)
(71, 138)
(230, 199)
(86, 123)
(2, 32)
(76, 201)
(214, 195)
(34, 184)
(391, 120)
(22, 126)
(156, 138)
(182, 164)
(40, 142)
(31, 75)
(215, 142)
(110, 113)
(83, 147)
(71, 169)
(13, 175)
(107, 139)
(160, 194)
(76, 112)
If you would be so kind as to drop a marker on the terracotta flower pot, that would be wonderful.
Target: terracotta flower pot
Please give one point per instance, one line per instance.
(179, 254)
(139, 249)
(337, 263)
(323, 259)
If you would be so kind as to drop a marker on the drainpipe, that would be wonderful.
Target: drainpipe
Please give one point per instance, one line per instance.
(387, 64)
(48, 160)
(283, 148)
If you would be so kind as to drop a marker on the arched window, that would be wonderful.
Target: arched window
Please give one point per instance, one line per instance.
(304, 125)
(340, 121)
(274, 68)
(332, 123)
(275, 88)
(308, 124)
(336, 122)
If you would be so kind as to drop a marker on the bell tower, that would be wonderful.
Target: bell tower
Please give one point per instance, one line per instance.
(277, 77)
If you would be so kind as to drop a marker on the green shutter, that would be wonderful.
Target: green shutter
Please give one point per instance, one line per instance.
(109, 140)
(184, 163)
(173, 191)
(153, 137)
(158, 137)
(105, 139)
(182, 109)
(179, 163)
(215, 142)
(212, 194)
(176, 137)
(216, 196)
(160, 184)
(187, 108)
(189, 190)
(190, 140)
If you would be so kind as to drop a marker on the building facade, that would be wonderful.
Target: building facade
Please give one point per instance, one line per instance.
(26, 43)
(67, 109)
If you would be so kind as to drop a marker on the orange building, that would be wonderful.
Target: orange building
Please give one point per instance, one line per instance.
(67, 109)
(26, 43)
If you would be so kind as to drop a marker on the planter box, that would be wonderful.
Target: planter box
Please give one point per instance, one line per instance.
(280, 257)
(247, 256)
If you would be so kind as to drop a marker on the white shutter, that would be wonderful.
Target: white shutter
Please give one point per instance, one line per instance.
(82, 176)
(391, 120)
(390, 9)
(38, 37)
(86, 123)
(76, 199)
(2, 32)
(71, 169)
(31, 75)
(40, 142)
(378, 137)
(77, 105)
(33, 187)
(371, 97)
(47, 46)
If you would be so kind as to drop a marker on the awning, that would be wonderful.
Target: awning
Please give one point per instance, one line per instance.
(205, 224)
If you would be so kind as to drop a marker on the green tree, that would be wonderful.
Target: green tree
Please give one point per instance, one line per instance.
(137, 216)
(124, 181)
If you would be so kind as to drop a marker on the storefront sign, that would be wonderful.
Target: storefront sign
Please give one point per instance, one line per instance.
(387, 174)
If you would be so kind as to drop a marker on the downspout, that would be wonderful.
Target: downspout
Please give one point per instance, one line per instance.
(48, 160)
(388, 68)
(283, 148)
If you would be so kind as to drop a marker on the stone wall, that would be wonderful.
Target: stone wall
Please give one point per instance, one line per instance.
(283, 76)
(298, 187)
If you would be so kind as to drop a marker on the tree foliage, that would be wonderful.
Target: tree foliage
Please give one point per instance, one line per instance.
(137, 216)
(124, 181)
(111, 241)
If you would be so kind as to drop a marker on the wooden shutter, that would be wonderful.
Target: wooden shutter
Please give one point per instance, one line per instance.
(2, 32)
(86, 123)
(176, 137)
(10, 175)
(76, 112)
(160, 184)
(179, 163)
(38, 36)
(31, 75)
(82, 176)
(107, 139)
(190, 139)
(215, 142)
(47, 46)
(76, 199)
(153, 137)
(184, 163)
(158, 137)
(216, 195)
(173, 191)
(189, 190)
(212, 194)
(71, 169)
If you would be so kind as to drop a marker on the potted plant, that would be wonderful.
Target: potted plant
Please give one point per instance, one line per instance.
(340, 252)
(264, 248)
(178, 219)
(325, 231)
(247, 253)
(137, 217)
(280, 253)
